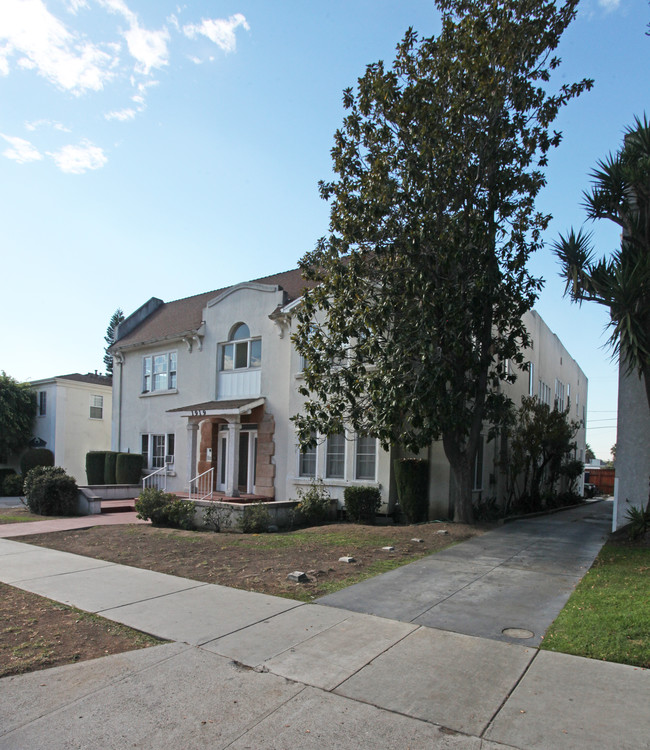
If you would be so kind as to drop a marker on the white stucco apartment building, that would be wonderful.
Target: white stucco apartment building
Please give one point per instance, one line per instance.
(210, 382)
(73, 416)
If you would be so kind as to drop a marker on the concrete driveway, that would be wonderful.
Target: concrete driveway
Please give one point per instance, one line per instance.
(507, 585)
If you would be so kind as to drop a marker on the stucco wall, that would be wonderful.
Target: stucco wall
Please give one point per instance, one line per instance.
(632, 447)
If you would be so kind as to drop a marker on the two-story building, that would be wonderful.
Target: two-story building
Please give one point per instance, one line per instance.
(207, 385)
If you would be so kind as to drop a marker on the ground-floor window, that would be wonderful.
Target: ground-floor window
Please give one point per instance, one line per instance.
(366, 458)
(157, 450)
(307, 462)
(361, 463)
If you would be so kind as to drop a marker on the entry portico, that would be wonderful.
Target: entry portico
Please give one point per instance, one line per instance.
(227, 444)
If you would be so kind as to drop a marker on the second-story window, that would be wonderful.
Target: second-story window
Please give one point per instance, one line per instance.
(242, 351)
(159, 372)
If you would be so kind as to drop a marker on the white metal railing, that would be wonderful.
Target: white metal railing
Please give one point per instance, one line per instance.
(202, 485)
(157, 479)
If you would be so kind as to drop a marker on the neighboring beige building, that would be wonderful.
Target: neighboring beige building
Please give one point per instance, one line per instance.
(73, 416)
(632, 482)
(209, 383)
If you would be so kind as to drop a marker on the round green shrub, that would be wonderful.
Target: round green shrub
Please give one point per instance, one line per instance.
(12, 486)
(362, 503)
(128, 468)
(412, 480)
(95, 463)
(49, 491)
(165, 509)
(34, 457)
(110, 461)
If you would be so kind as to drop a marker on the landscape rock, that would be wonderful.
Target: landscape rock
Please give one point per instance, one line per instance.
(298, 577)
(347, 559)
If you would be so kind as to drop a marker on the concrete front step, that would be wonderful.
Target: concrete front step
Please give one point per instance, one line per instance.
(118, 506)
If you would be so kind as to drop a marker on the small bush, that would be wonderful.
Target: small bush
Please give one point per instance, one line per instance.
(151, 504)
(412, 480)
(128, 468)
(95, 463)
(488, 510)
(314, 505)
(362, 503)
(12, 486)
(110, 460)
(639, 519)
(255, 519)
(165, 509)
(180, 514)
(49, 491)
(217, 517)
(34, 457)
(4, 473)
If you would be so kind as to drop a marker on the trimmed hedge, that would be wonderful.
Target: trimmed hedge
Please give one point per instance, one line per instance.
(109, 467)
(362, 503)
(128, 468)
(49, 491)
(34, 457)
(95, 466)
(412, 480)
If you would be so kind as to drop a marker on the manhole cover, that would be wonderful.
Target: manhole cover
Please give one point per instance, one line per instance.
(518, 633)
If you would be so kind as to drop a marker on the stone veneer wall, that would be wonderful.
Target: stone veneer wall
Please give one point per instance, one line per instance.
(265, 469)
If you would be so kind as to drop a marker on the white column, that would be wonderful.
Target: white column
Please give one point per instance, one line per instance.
(232, 465)
(192, 433)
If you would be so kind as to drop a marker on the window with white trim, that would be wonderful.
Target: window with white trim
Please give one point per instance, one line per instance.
(157, 450)
(96, 407)
(241, 352)
(42, 403)
(365, 463)
(531, 379)
(559, 395)
(159, 372)
(307, 461)
(335, 457)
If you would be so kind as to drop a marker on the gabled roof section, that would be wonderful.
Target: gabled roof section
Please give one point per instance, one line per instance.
(180, 317)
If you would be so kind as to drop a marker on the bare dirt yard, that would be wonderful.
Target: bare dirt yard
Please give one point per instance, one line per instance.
(36, 633)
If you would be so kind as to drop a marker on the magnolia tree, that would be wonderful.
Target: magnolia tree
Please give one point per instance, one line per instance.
(421, 283)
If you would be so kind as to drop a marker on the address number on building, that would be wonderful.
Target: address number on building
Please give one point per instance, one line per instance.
(199, 412)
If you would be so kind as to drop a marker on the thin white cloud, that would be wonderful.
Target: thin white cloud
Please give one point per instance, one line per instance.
(221, 31)
(79, 159)
(74, 5)
(121, 115)
(20, 150)
(609, 5)
(43, 43)
(35, 124)
(149, 48)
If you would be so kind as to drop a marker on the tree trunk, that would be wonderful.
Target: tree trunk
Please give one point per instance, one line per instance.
(460, 487)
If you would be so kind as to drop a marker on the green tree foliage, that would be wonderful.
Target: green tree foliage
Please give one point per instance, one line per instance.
(116, 319)
(542, 444)
(17, 414)
(620, 193)
(589, 454)
(421, 284)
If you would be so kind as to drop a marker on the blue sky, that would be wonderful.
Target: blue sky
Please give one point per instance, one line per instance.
(150, 148)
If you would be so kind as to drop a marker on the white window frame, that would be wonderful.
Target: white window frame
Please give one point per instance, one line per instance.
(357, 454)
(169, 370)
(97, 403)
(149, 440)
(531, 378)
(310, 454)
(337, 456)
(247, 344)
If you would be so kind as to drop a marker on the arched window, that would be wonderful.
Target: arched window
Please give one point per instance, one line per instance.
(241, 352)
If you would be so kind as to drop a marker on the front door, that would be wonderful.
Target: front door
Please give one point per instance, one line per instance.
(247, 458)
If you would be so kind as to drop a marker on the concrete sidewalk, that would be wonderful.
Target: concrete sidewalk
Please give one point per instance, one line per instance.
(246, 670)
